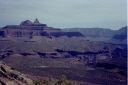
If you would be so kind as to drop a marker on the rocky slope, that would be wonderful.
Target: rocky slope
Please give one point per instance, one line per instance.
(121, 34)
(49, 45)
(8, 76)
(92, 32)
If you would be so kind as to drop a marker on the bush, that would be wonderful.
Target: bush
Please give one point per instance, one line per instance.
(36, 82)
(63, 81)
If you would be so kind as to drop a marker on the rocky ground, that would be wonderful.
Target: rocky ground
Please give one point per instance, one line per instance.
(9, 76)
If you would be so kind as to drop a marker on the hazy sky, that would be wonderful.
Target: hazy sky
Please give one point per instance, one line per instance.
(66, 13)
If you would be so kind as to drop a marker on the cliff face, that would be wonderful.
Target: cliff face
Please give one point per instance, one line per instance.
(27, 28)
(121, 34)
(92, 32)
(8, 76)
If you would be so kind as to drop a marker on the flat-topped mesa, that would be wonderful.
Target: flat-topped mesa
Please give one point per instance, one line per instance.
(28, 28)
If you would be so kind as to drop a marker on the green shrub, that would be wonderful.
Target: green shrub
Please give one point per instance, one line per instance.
(63, 81)
(36, 82)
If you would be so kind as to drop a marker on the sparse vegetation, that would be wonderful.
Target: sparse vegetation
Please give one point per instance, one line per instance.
(63, 81)
(36, 82)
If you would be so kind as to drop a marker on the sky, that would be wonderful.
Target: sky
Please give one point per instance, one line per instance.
(66, 13)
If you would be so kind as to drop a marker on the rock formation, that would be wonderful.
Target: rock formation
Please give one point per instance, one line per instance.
(8, 76)
(29, 29)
